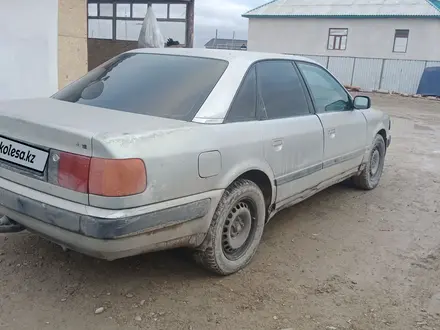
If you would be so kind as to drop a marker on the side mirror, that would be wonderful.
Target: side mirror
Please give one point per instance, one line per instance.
(362, 102)
(93, 90)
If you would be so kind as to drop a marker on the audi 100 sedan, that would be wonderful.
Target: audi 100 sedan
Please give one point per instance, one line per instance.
(157, 149)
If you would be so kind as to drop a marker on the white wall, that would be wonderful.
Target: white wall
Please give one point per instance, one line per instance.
(28, 48)
(373, 38)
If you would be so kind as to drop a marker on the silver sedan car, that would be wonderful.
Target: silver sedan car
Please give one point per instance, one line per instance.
(157, 149)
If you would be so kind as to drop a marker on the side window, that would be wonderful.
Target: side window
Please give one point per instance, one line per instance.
(281, 90)
(244, 105)
(400, 41)
(327, 93)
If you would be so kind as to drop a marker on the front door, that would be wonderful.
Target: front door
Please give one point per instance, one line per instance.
(345, 129)
(292, 133)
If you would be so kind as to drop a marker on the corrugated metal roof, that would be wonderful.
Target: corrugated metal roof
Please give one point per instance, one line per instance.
(436, 4)
(347, 8)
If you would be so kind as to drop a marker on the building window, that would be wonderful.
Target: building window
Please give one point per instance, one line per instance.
(106, 9)
(337, 39)
(400, 41)
(128, 17)
(93, 9)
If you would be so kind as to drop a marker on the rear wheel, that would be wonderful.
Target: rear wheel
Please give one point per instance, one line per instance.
(370, 176)
(236, 229)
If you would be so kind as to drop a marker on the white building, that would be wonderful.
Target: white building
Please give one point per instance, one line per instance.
(43, 46)
(385, 29)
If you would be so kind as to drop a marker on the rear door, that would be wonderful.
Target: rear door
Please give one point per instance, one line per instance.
(292, 133)
(345, 129)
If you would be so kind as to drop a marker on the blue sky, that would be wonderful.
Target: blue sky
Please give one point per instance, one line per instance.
(224, 15)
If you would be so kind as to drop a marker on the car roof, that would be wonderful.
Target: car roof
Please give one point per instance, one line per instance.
(221, 54)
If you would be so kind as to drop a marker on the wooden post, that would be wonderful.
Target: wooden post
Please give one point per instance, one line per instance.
(114, 21)
(189, 36)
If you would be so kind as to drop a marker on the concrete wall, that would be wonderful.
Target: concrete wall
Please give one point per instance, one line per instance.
(101, 50)
(28, 48)
(372, 38)
(72, 40)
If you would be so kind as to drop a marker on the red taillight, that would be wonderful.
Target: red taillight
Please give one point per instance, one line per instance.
(73, 172)
(97, 176)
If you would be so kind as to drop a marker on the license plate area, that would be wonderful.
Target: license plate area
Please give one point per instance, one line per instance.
(23, 156)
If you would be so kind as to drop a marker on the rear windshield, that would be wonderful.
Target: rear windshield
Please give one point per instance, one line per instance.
(166, 86)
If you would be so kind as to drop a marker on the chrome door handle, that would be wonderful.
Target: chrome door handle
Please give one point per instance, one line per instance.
(277, 144)
(332, 133)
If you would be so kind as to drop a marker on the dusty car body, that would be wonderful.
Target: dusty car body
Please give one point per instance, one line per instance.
(158, 149)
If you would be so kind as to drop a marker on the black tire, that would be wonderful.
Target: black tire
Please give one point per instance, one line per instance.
(370, 176)
(241, 209)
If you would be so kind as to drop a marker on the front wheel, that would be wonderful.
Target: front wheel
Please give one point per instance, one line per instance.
(236, 229)
(370, 176)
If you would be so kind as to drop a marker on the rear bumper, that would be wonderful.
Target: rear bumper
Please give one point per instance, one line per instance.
(182, 222)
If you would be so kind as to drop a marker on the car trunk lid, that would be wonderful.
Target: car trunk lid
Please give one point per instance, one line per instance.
(36, 126)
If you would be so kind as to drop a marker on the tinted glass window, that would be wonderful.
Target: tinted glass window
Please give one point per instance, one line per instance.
(244, 106)
(151, 84)
(327, 93)
(281, 90)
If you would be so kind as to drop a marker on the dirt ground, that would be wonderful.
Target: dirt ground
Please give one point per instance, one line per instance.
(344, 259)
